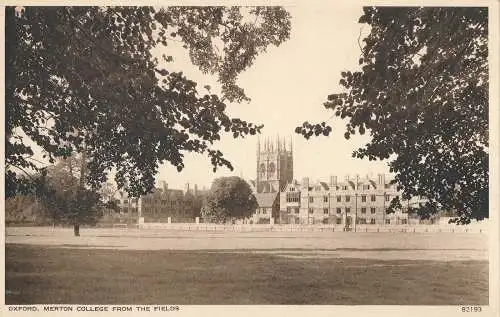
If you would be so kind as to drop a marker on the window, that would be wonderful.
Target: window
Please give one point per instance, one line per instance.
(363, 210)
(405, 210)
(372, 221)
(325, 199)
(348, 210)
(125, 201)
(264, 211)
(363, 198)
(288, 210)
(339, 199)
(373, 198)
(293, 197)
(347, 198)
(311, 199)
(344, 187)
(311, 210)
(366, 187)
(387, 221)
(339, 210)
(404, 221)
(339, 221)
(325, 211)
(296, 210)
(362, 221)
(372, 210)
(387, 197)
(262, 170)
(271, 170)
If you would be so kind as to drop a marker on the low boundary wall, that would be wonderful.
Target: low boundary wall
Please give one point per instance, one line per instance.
(476, 228)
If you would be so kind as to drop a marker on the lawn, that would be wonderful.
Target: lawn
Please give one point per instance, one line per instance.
(54, 275)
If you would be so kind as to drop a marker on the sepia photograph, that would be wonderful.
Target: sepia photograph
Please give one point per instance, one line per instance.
(158, 157)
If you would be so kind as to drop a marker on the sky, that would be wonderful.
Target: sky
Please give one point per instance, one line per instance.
(288, 85)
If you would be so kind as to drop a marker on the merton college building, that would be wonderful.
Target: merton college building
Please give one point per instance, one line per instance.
(352, 199)
(282, 199)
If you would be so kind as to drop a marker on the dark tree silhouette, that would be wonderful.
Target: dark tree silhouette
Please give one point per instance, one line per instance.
(83, 79)
(229, 198)
(422, 94)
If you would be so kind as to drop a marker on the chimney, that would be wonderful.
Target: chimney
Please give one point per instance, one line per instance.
(381, 179)
(305, 181)
(195, 189)
(165, 186)
(187, 188)
(347, 178)
(333, 180)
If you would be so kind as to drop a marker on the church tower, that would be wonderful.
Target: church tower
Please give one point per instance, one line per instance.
(274, 165)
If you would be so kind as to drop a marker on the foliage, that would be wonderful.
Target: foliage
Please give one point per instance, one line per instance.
(422, 93)
(24, 209)
(65, 199)
(229, 198)
(84, 79)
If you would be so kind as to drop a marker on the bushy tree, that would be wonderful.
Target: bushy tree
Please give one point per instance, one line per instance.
(422, 94)
(84, 79)
(61, 189)
(229, 198)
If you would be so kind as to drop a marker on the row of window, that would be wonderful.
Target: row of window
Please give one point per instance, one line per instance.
(262, 210)
(158, 210)
(132, 201)
(162, 202)
(347, 210)
(345, 187)
(131, 209)
(339, 210)
(293, 197)
(362, 221)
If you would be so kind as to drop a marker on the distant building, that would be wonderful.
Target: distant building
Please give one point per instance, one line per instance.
(163, 203)
(355, 199)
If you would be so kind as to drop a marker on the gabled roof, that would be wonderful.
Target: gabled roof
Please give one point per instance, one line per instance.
(266, 199)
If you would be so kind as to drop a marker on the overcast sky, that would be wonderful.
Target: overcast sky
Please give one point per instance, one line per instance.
(288, 85)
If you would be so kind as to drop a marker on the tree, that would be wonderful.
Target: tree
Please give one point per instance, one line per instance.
(84, 79)
(422, 93)
(62, 191)
(229, 198)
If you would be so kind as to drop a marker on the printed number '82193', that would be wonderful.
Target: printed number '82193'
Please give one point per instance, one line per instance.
(471, 309)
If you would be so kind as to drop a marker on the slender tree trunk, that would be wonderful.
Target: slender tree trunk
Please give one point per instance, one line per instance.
(76, 229)
(81, 185)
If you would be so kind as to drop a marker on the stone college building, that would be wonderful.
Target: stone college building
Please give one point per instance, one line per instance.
(353, 199)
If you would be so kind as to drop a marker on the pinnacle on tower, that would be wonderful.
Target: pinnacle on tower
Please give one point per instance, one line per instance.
(258, 145)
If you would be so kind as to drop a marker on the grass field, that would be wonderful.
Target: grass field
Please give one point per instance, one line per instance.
(75, 275)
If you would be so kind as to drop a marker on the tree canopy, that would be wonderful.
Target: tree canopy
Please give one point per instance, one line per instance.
(84, 79)
(229, 198)
(65, 199)
(422, 94)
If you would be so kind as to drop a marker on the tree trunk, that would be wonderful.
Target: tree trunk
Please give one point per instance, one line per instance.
(76, 230)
